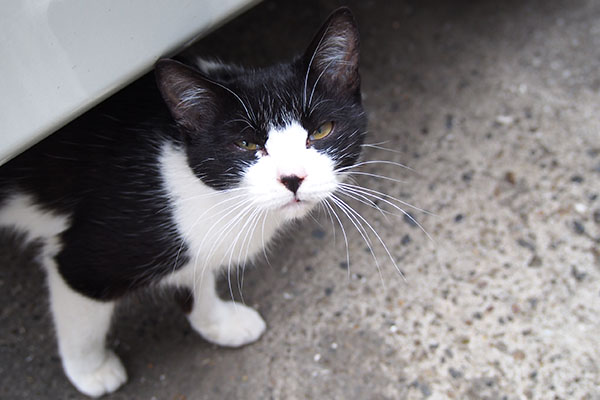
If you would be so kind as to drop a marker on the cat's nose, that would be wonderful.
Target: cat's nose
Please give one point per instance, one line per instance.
(291, 182)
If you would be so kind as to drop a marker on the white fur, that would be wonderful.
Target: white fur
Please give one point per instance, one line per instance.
(207, 66)
(81, 327)
(332, 50)
(81, 323)
(221, 322)
(190, 97)
(21, 212)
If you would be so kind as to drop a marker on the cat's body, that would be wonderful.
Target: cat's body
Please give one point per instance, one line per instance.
(137, 194)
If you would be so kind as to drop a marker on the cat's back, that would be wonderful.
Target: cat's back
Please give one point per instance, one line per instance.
(97, 185)
(109, 151)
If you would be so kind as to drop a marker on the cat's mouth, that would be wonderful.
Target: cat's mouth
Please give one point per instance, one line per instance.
(296, 208)
(294, 203)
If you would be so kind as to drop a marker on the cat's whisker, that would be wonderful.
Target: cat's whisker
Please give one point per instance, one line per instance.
(251, 117)
(231, 248)
(256, 219)
(381, 241)
(205, 265)
(198, 219)
(217, 242)
(317, 81)
(251, 225)
(325, 209)
(360, 227)
(222, 234)
(315, 106)
(376, 143)
(373, 176)
(330, 207)
(376, 146)
(361, 230)
(344, 152)
(264, 246)
(243, 120)
(311, 216)
(312, 58)
(382, 196)
(359, 164)
(365, 200)
(366, 192)
(200, 196)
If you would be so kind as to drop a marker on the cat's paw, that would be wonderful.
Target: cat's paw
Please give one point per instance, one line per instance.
(230, 325)
(95, 382)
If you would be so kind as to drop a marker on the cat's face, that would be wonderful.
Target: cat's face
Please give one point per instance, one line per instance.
(282, 134)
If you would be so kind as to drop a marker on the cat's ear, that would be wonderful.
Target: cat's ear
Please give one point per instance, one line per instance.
(333, 54)
(190, 97)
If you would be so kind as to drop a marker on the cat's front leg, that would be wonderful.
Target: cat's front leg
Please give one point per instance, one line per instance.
(81, 327)
(222, 322)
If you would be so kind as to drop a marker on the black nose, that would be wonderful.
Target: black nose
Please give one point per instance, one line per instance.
(292, 182)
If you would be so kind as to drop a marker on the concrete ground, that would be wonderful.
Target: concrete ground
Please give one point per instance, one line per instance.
(496, 108)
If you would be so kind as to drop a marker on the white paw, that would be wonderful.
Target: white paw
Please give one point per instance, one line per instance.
(230, 325)
(106, 378)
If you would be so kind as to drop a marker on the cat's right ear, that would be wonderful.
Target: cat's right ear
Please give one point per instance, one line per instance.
(190, 97)
(333, 55)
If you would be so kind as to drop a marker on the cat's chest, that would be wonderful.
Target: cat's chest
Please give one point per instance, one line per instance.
(218, 228)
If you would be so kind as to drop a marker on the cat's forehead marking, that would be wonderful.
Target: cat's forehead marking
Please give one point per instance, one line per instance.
(284, 139)
(287, 148)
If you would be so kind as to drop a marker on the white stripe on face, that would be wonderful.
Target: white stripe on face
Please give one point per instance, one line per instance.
(287, 147)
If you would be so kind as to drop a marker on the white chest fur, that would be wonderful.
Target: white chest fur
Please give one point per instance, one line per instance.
(220, 228)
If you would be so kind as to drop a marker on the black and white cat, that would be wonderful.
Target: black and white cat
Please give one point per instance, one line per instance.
(136, 193)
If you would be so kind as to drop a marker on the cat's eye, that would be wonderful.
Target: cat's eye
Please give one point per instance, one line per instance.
(322, 131)
(247, 145)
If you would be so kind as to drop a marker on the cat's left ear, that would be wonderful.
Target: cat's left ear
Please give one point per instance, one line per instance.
(333, 55)
(191, 98)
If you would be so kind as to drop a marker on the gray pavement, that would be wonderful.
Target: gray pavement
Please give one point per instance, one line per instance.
(496, 108)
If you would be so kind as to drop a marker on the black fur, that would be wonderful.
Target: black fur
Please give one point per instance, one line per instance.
(103, 171)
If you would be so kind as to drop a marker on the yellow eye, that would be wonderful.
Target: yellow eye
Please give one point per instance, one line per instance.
(244, 144)
(322, 131)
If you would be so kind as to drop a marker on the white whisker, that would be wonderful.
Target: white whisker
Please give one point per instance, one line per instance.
(264, 246)
(381, 196)
(365, 191)
(365, 200)
(376, 146)
(312, 58)
(358, 215)
(198, 219)
(318, 79)
(224, 230)
(361, 230)
(250, 117)
(373, 176)
(374, 162)
(326, 203)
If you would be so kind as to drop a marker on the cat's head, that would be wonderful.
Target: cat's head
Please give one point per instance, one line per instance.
(285, 133)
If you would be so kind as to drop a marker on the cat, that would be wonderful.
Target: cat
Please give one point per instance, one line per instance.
(168, 187)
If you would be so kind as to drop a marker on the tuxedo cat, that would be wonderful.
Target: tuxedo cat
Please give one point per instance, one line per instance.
(170, 182)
